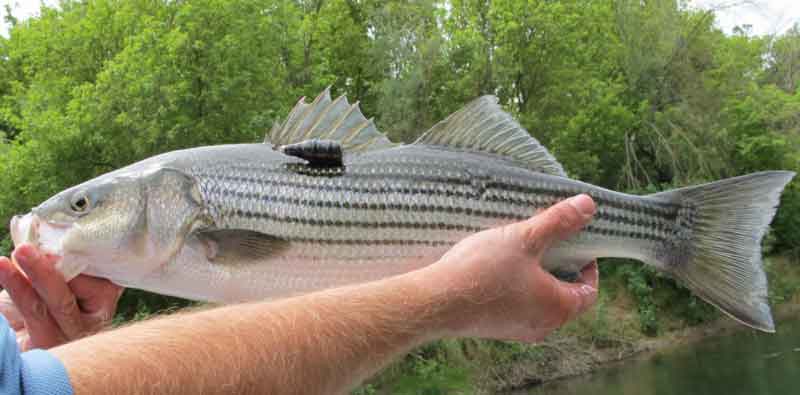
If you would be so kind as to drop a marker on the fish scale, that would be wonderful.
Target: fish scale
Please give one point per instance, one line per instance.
(372, 208)
(334, 224)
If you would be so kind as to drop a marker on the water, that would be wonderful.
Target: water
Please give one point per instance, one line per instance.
(744, 363)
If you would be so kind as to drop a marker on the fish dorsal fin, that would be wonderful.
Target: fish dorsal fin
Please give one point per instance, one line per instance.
(483, 126)
(327, 119)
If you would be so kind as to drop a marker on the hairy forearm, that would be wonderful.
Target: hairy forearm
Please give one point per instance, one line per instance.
(318, 343)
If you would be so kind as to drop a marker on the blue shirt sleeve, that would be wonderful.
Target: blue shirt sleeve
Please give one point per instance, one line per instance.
(30, 373)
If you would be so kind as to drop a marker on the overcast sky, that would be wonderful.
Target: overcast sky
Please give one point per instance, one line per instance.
(20, 9)
(765, 16)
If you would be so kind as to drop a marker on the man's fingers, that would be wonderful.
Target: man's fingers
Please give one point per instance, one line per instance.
(8, 309)
(24, 341)
(96, 296)
(557, 223)
(42, 328)
(52, 289)
(590, 275)
(578, 297)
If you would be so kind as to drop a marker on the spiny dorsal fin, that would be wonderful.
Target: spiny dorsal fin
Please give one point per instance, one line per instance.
(483, 126)
(327, 119)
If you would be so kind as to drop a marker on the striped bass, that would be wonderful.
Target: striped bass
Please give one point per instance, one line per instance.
(328, 200)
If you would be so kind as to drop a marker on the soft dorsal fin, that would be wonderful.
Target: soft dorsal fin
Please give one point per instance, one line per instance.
(483, 126)
(327, 119)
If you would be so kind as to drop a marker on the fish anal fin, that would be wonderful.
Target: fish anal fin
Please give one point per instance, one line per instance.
(482, 126)
(240, 246)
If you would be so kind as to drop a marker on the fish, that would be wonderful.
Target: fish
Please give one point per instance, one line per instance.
(328, 200)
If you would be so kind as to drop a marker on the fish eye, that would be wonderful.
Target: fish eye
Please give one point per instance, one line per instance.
(80, 204)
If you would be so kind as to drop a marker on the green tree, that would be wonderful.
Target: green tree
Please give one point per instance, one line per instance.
(784, 60)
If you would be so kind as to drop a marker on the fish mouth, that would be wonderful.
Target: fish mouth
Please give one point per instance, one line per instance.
(24, 229)
(45, 235)
(48, 238)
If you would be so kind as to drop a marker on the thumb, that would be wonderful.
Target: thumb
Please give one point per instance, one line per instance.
(557, 223)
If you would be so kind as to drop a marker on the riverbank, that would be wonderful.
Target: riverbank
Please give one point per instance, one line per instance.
(571, 357)
(620, 327)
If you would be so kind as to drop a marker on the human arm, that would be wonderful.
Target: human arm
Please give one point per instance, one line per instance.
(46, 311)
(490, 285)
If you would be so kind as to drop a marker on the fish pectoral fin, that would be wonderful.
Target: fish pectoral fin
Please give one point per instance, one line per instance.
(240, 246)
(483, 127)
(318, 153)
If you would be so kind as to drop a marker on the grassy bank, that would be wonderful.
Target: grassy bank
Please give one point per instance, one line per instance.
(638, 311)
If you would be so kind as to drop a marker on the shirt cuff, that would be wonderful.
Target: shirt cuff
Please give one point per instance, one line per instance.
(43, 373)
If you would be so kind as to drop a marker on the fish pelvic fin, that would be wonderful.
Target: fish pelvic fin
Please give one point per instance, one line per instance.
(716, 251)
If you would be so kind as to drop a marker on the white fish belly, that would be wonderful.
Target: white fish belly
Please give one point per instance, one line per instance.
(301, 269)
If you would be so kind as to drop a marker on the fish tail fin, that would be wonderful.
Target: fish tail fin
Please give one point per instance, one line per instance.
(717, 251)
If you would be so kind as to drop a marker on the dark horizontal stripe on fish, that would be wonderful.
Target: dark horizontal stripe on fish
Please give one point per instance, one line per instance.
(352, 258)
(650, 223)
(373, 242)
(653, 223)
(615, 232)
(621, 233)
(360, 224)
(416, 206)
(638, 209)
(569, 190)
(363, 171)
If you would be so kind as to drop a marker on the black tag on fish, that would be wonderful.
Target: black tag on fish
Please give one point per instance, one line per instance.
(318, 153)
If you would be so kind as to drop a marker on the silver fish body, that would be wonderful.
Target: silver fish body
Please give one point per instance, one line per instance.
(253, 221)
(390, 212)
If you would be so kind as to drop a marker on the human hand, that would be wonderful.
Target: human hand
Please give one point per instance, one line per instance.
(498, 275)
(45, 310)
